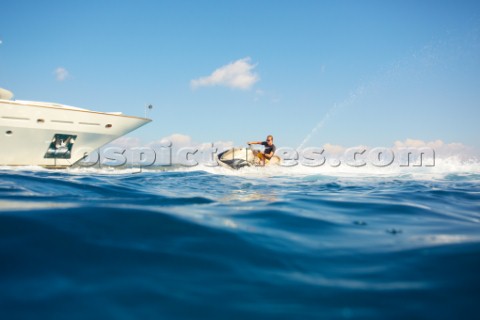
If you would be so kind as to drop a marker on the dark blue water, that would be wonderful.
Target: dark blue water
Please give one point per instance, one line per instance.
(179, 245)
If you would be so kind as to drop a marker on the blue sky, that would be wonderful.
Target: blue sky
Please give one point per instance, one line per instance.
(376, 72)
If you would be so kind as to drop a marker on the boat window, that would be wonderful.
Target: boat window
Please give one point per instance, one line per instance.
(61, 146)
(62, 121)
(9, 132)
(108, 126)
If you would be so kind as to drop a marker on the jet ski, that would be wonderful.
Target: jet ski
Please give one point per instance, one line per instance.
(237, 158)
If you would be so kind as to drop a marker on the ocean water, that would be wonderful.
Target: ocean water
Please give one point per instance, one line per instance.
(257, 243)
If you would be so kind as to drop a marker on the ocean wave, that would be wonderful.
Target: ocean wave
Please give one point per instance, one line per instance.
(264, 241)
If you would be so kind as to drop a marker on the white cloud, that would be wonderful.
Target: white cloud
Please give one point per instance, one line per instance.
(333, 149)
(441, 149)
(438, 145)
(178, 140)
(126, 142)
(61, 74)
(413, 143)
(237, 75)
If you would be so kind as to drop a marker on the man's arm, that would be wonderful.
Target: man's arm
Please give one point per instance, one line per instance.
(255, 142)
(268, 155)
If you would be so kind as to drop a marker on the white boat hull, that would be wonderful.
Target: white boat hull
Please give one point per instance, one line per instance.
(35, 134)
